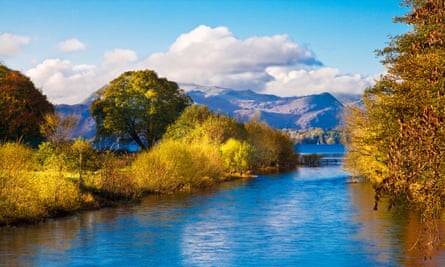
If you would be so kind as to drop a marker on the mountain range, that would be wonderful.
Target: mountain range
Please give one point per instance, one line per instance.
(296, 113)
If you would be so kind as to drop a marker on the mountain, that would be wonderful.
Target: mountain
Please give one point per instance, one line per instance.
(87, 125)
(299, 113)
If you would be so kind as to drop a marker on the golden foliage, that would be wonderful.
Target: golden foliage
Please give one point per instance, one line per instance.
(173, 165)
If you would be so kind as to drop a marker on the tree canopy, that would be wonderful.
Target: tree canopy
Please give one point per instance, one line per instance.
(138, 106)
(22, 107)
(397, 139)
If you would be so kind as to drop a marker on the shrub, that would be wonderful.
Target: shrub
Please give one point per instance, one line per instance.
(28, 195)
(18, 197)
(112, 180)
(238, 156)
(56, 193)
(174, 165)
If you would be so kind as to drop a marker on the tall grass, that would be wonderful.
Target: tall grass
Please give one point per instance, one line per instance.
(27, 195)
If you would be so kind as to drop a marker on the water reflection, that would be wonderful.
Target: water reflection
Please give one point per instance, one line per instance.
(311, 217)
(392, 234)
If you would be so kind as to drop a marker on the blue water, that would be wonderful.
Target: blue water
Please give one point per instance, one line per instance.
(321, 149)
(309, 217)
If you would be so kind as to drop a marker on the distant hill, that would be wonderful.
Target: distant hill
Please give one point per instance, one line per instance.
(87, 125)
(298, 113)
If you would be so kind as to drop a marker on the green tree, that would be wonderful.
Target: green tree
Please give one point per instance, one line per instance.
(138, 106)
(198, 123)
(192, 117)
(401, 135)
(22, 107)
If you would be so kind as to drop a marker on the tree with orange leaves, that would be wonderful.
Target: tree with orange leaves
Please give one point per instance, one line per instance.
(22, 108)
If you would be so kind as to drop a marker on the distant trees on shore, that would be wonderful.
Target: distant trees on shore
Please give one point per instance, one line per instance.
(316, 136)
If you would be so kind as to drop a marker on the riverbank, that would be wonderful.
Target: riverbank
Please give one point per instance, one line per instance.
(64, 177)
(309, 217)
(37, 196)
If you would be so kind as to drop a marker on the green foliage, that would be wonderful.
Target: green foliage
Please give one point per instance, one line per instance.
(397, 139)
(138, 106)
(173, 165)
(22, 108)
(78, 156)
(190, 119)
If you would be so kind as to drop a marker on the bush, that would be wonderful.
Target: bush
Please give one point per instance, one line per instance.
(57, 194)
(114, 180)
(273, 147)
(174, 165)
(238, 156)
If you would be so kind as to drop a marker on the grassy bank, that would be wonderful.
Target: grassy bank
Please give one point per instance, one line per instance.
(33, 188)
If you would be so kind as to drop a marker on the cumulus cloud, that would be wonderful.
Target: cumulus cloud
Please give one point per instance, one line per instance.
(297, 82)
(71, 45)
(119, 57)
(272, 64)
(11, 44)
(215, 56)
(67, 83)
(206, 56)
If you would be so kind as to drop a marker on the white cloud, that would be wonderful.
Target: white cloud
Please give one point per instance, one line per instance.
(214, 56)
(71, 45)
(11, 44)
(66, 83)
(296, 82)
(207, 56)
(273, 64)
(119, 57)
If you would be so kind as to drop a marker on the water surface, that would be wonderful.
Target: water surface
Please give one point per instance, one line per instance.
(310, 217)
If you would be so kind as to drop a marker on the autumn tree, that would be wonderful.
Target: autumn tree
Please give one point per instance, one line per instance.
(57, 129)
(192, 118)
(273, 147)
(398, 138)
(199, 123)
(138, 106)
(22, 107)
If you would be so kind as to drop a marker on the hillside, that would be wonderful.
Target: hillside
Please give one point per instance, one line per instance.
(298, 113)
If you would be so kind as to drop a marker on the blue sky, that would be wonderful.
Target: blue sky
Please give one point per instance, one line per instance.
(71, 48)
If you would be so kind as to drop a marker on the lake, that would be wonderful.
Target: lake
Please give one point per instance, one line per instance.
(309, 217)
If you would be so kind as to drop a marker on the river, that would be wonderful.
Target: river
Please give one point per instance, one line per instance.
(309, 217)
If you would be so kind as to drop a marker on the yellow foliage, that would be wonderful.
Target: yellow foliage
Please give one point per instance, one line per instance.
(174, 165)
(27, 195)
